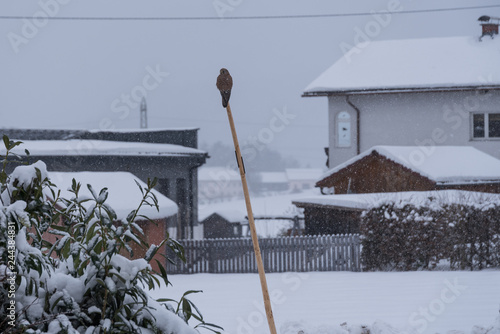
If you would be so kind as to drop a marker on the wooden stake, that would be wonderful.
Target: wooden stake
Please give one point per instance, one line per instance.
(253, 231)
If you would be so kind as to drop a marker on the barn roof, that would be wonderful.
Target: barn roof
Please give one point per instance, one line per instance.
(429, 64)
(441, 164)
(123, 192)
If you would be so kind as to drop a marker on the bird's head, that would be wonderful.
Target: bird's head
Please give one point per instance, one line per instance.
(224, 71)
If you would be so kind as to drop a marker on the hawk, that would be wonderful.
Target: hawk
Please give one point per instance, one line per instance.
(224, 84)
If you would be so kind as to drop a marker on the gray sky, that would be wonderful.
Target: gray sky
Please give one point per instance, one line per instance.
(90, 74)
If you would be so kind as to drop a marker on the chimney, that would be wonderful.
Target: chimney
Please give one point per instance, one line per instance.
(490, 25)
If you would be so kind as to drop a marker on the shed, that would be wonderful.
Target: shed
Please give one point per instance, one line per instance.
(223, 224)
(408, 168)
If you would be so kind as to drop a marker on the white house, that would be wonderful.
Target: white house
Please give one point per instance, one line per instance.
(415, 92)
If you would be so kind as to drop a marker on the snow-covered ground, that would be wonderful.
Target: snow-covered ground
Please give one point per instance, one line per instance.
(319, 302)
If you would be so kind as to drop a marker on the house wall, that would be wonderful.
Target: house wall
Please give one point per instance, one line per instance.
(154, 233)
(422, 119)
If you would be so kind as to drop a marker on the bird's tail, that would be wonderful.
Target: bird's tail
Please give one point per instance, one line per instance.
(226, 94)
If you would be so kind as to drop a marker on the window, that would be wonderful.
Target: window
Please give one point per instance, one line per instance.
(478, 130)
(486, 125)
(343, 129)
(494, 125)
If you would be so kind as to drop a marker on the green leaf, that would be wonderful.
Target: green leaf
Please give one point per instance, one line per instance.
(6, 141)
(162, 271)
(65, 250)
(56, 302)
(103, 195)
(166, 300)
(94, 194)
(190, 292)
(140, 187)
(186, 310)
(131, 215)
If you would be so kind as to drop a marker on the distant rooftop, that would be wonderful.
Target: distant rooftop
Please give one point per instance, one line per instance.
(443, 164)
(449, 63)
(232, 216)
(220, 174)
(302, 174)
(273, 177)
(178, 136)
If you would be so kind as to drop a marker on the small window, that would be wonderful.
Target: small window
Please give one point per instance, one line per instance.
(494, 125)
(486, 125)
(343, 129)
(478, 131)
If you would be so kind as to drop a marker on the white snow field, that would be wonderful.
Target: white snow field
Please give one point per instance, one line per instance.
(319, 302)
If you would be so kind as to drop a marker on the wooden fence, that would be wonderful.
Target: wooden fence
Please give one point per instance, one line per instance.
(300, 253)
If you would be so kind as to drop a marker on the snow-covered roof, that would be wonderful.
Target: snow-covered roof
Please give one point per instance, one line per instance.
(442, 164)
(301, 174)
(217, 174)
(123, 193)
(417, 198)
(409, 64)
(101, 147)
(232, 216)
(273, 177)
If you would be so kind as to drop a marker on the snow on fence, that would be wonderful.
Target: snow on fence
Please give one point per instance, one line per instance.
(299, 253)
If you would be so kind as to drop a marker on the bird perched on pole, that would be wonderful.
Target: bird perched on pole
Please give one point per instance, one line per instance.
(224, 84)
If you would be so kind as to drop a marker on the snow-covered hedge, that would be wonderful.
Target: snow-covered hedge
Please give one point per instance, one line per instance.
(462, 231)
(83, 282)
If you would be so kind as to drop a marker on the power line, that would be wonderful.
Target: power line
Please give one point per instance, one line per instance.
(209, 18)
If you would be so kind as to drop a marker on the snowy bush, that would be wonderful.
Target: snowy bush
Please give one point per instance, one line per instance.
(401, 235)
(83, 282)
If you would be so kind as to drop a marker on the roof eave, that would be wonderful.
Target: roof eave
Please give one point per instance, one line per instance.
(326, 206)
(398, 90)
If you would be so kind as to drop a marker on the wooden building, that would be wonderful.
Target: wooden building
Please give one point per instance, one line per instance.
(223, 224)
(384, 169)
(390, 171)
